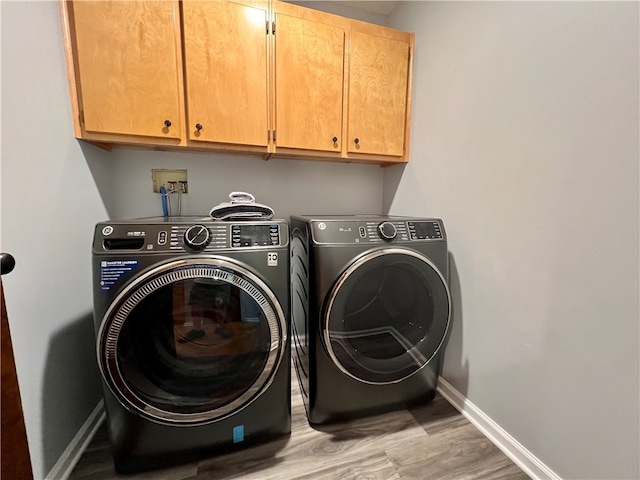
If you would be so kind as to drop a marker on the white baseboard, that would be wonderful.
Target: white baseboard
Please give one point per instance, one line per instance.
(69, 458)
(513, 449)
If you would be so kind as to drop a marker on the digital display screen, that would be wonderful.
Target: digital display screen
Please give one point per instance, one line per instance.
(254, 235)
(424, 230)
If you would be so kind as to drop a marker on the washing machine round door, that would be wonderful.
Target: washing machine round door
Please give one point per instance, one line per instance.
(386, 316)
(192, 341)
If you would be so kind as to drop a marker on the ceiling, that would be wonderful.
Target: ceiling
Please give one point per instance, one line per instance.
(382, 8)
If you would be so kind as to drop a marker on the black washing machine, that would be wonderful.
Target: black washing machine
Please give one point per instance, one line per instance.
(191, 317)
(370, 312)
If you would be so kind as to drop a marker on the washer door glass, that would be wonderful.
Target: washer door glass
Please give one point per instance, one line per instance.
(386, 316)
(191, 342)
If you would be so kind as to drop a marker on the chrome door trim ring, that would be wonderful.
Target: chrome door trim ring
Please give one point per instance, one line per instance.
(157, 277)
(355, 265)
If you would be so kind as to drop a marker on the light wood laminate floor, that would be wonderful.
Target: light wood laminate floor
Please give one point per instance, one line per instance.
(433, 441)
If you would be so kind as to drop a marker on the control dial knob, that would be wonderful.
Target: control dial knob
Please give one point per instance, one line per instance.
(387, 231)
(197, 237)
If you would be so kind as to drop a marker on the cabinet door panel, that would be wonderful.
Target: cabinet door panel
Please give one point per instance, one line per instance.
(226, 72)
(378, 71)
(309, 71)
(128, 66)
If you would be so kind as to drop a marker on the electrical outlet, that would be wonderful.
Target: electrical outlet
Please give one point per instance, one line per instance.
(164, 176)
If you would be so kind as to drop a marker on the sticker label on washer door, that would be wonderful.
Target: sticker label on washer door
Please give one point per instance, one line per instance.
(272, 259)
(238, 434)
(111, 271)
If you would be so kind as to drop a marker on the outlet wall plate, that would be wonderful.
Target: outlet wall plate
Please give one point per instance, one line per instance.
(163, 176)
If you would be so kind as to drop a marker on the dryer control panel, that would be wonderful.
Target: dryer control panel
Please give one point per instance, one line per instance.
(426, 230)
(376, 230)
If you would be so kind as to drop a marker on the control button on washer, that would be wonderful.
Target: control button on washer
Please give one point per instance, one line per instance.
(387, 231)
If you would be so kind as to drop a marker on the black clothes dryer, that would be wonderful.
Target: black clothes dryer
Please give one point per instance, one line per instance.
(370, 312)
(192, 327)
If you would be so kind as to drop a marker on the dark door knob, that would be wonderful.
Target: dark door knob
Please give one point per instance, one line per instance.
(335, 139)
(7, 262)
(167, 123)
(198, 126)
(356, 141)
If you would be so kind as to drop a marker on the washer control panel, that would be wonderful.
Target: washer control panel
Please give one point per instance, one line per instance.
(376, 230)
(236, 235)
(191, 237)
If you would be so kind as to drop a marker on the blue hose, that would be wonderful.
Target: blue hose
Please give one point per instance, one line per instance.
(165, 205)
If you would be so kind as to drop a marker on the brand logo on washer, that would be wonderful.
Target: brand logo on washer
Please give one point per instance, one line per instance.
(272, 259)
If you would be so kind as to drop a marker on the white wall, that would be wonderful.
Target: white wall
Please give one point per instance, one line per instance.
(54, 189)
(49, 205)
(288, 186)
(525, 141)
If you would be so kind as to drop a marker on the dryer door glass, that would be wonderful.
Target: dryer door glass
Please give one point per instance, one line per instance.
(192, 343)
(386, 316)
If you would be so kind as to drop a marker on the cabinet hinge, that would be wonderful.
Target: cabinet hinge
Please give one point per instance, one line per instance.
(267, 22)
(274, 135)
(81, 116)
(273, 27)
(268, 135)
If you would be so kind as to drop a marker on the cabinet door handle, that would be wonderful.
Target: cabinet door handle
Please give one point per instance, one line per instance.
(356, 141)
(167, 123)
(198, 126)
(335, 139)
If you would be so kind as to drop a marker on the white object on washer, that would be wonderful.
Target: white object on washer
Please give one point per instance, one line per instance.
(242, 206)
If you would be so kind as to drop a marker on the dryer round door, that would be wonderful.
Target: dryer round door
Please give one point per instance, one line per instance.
(192, 341)
(386, 316)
